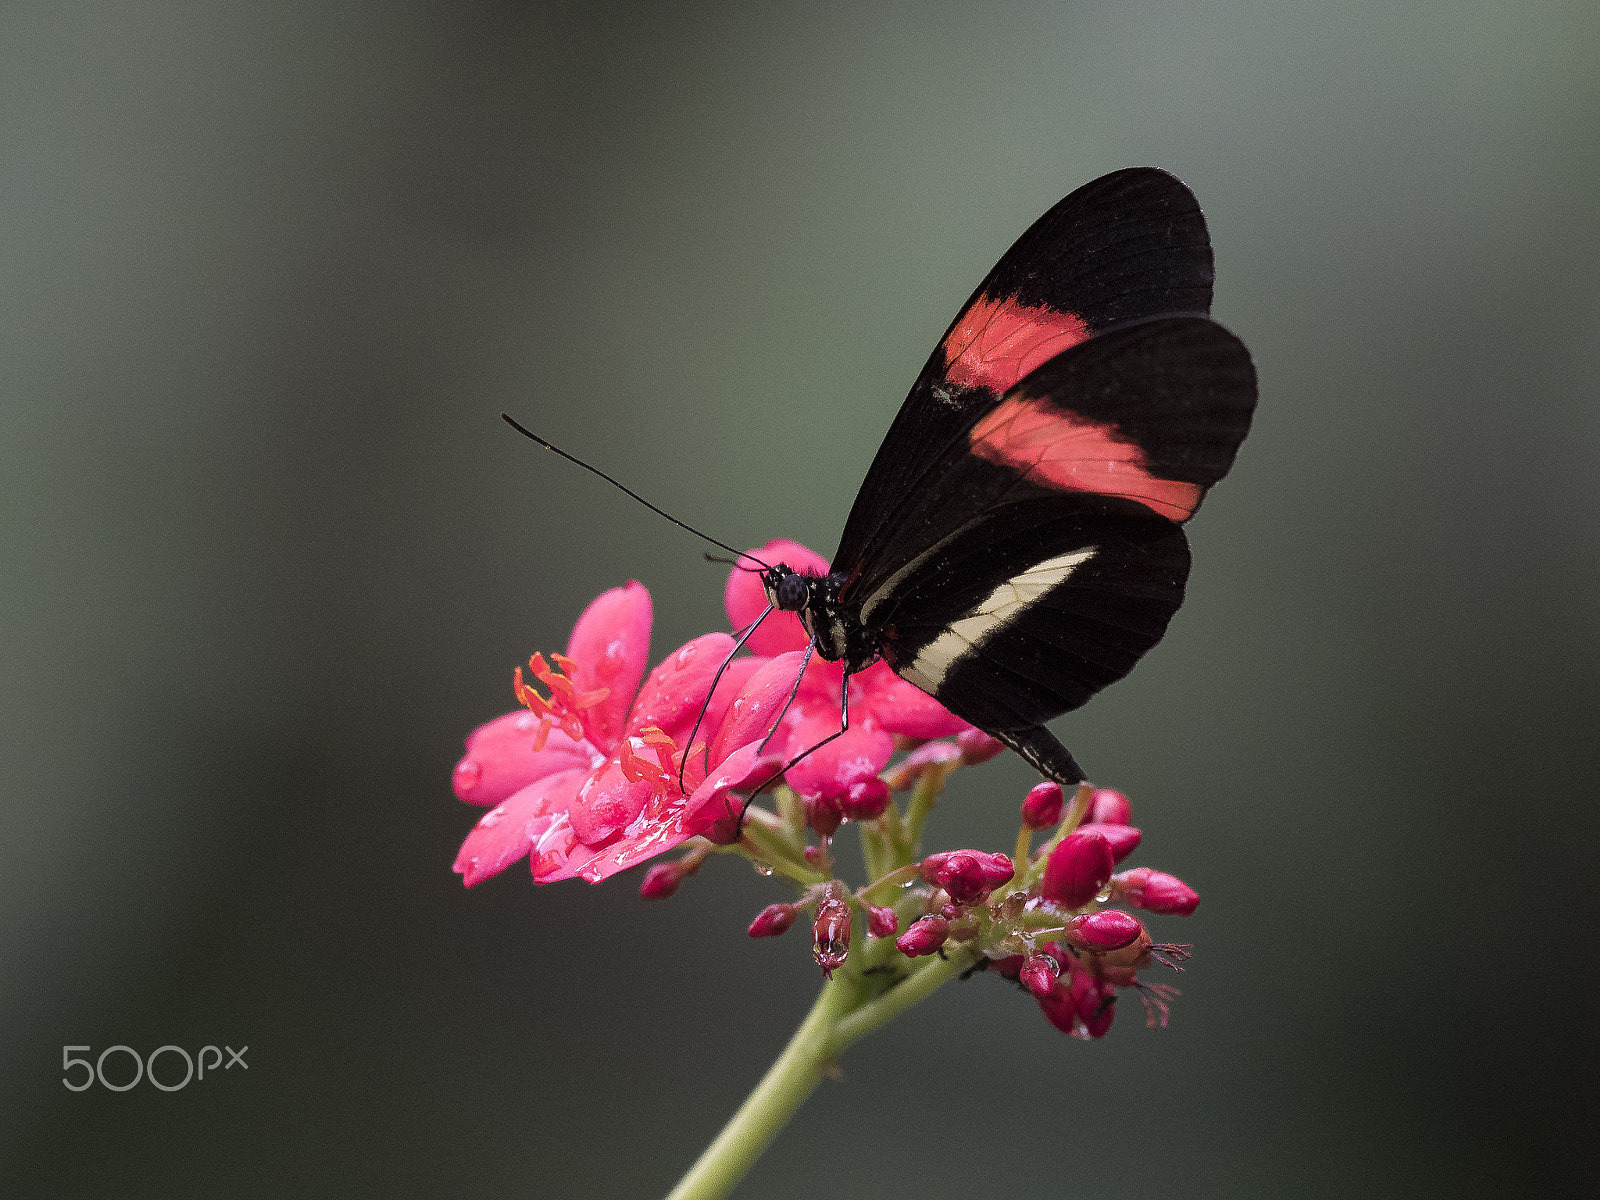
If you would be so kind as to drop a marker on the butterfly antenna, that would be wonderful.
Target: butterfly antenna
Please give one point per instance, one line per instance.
(729, 562)
(527, 433)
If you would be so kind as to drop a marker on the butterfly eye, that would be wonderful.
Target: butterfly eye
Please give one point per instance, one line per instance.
(792, 593)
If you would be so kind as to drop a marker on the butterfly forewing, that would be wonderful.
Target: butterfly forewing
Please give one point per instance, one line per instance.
(1043, 554)
(1130, 245)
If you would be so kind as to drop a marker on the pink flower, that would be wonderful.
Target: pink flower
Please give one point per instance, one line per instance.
(591, 785)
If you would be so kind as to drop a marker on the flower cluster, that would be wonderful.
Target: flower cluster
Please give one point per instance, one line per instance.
(608, 767)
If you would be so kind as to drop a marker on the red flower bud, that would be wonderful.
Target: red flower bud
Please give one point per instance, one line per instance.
(1042, 808)
(932, 756)
(1104, 931)
(1079, 867)
(660, 881)
(865, 799)
(823, 814)
(1155, 891)
(1124, 839)
(1107, 806)
(967, 875)
(1080, 1006)
(1096, 1004)
(924, 937)
(882, 922)
(773, 920)
(977, 746)
(1009, 966)
(1038, 974)
(830, 935)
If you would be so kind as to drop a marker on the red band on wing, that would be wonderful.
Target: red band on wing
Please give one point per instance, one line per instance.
(1063, 450)
(997, 342)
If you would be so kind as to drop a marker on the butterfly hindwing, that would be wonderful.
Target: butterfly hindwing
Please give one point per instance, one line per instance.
(1035, 608)
(1130, 245)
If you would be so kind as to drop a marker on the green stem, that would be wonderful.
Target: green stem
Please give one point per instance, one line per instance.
(789, 1081)
(919, 986)
(768, 847)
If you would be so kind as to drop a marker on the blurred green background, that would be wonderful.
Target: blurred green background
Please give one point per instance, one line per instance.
(268, 274)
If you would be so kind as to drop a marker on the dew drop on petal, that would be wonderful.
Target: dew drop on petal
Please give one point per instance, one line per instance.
(467, 773)
(1103, 895)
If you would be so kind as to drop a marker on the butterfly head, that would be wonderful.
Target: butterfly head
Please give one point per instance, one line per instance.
(786, 588)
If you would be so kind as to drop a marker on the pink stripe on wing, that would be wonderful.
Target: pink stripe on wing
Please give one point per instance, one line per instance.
(997, 342)
(1064, 450)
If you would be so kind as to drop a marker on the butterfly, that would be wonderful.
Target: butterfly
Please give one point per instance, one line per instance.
(1017, 544)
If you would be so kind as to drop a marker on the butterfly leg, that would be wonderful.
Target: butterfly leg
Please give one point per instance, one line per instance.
(844, 727)
(1040, 749)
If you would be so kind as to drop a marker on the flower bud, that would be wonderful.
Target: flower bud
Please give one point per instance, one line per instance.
(1009, 966)
(940, 756)
(1043, 805)
(865, 799)
(1078, 868)
(773, 920)
(1107, 806)
(1095, 1003)
(1124, 839)
(661, 880)
(1155, 891)
(1104, 931)
(967, 875)
(1038, 974)
(830, 934)
(823, 814)
(882, 922)
(977, 746)
(924, 937)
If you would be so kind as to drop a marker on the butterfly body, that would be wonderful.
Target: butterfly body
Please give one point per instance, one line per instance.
(1017, 544)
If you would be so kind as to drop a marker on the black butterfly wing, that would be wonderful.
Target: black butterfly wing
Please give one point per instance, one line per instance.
(1129, 245)
(1043, 553)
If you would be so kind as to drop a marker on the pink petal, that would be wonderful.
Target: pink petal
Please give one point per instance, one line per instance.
(672, 696)
(713, 810)
(745, 597)
(733, 682)
(672, 819)
(900, 706)
(605, 802)
(756, 707)
(856, 754)
(611, 646)
(508, 831)
(557, 853)
(500, 758)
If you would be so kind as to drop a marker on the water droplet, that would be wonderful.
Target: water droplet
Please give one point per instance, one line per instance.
(763, 868)
(467, 774)
(1103, 894)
